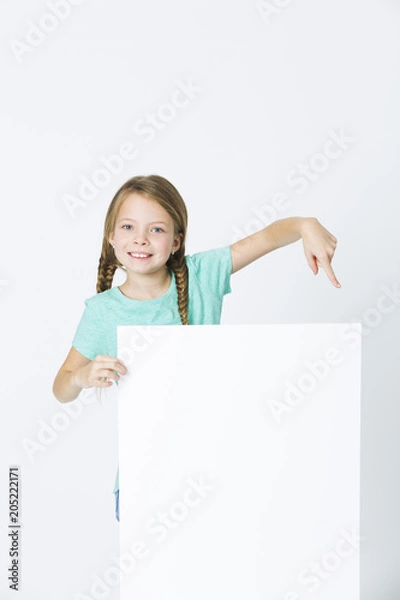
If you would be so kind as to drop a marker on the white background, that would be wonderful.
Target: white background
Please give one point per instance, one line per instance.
(270, 94)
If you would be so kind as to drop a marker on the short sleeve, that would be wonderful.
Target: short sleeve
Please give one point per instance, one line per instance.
(214, 268)
(89, 338)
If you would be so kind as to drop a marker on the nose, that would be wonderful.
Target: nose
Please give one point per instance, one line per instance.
(139, 237)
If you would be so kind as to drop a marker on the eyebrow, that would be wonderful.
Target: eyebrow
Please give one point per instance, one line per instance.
(134, 221)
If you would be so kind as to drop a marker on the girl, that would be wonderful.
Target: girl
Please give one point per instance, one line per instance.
(144, 235)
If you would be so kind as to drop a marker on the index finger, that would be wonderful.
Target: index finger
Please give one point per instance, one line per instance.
(326, 265)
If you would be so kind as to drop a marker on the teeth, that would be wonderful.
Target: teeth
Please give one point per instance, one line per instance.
(137, 255)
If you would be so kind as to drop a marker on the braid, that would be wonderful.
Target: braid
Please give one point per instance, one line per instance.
(178, 265)
(105, 273)
(106, 269)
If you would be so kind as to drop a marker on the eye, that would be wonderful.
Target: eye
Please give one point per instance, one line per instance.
(124, 226)
(159, 228)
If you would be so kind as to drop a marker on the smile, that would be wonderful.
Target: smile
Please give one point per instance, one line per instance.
(139, 255)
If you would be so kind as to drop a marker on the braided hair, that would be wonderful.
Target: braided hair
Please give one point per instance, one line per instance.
(162, 191)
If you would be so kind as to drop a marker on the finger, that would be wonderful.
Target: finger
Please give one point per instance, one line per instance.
(116, 365)
(120, 367)
(312, 262)
(106, 373)
(102, 382)
(107, 362)
(326, 265)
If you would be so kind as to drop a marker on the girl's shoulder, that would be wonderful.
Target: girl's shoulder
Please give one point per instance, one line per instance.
(102, 298)
(208, 261)
(208, 256)
(211, 269)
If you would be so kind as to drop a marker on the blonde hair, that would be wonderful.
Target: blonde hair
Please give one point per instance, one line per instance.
(162, 191)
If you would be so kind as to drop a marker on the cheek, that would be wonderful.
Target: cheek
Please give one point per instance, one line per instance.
(121, 237)
(162, 244)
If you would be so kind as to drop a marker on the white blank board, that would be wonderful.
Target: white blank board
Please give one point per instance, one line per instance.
(239, 449)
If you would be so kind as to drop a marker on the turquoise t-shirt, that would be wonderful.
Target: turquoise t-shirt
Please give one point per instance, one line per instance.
(209, 280)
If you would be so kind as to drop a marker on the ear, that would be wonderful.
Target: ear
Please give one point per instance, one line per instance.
(177, 242)
(111, 238)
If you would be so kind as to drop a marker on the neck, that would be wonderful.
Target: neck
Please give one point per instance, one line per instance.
(146, 287)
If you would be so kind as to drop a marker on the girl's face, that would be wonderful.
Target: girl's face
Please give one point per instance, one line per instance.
(143, 237)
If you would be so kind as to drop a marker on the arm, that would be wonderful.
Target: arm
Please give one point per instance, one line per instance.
(78, 372)
(319, 245)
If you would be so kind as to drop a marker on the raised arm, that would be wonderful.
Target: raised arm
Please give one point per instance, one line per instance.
(319, 245)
